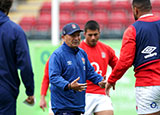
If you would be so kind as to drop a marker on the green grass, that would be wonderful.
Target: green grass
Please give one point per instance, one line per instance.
(123, 97)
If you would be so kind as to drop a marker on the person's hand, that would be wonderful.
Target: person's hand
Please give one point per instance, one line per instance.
(43, 103)
(29, 101)
(78, 86)
(103, 82)
(108, 87)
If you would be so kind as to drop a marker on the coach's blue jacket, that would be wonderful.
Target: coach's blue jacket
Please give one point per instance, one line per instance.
(65, 65)
(14, 54)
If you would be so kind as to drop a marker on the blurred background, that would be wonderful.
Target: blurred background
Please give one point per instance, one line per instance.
(114, 16)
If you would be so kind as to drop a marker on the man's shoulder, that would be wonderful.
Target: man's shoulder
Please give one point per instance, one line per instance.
(59, 50)
(81, 50)
(12, 26)
(101, 44)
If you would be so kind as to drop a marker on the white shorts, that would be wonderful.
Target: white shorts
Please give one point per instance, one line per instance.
(96, 103)
(147, 99)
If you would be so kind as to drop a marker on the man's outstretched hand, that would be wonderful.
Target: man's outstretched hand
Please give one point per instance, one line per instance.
(103, 82)
(108, 87)
(77, 86)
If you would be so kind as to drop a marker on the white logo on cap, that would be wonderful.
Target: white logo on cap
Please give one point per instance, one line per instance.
(73, 26)
(64, 32)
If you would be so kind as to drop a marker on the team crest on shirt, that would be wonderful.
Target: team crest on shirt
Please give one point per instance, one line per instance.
(149, 50)
(83, 60)
(103, 54)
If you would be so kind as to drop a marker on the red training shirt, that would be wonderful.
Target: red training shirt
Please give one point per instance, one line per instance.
(45, 82)
(100, 57)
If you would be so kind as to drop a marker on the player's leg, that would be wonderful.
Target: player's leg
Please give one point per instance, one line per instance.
(104, 106)
(7, 102)
(91, 102)
(148, 100)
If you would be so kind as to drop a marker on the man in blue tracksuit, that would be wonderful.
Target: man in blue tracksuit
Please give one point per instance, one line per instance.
(14, 55)
(69, 68)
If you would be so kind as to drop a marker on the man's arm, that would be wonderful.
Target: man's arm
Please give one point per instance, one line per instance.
(55, 72)
(127, 55)
(45, 82)
(113, 58)
(44, 86)
(24, 62)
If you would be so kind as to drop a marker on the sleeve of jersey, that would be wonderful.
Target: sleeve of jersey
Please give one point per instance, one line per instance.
(113, 58)
(127, 55)
(24, 62)
(55, 71)
(45, 82)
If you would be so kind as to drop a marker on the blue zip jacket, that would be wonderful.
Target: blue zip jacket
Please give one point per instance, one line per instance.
(14, 55)
(65, 65)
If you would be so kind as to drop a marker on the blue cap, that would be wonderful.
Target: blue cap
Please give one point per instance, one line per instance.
(71, 28)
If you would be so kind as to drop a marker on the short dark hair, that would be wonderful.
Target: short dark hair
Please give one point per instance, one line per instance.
(92, 25)
(5, 5)
(142, 5)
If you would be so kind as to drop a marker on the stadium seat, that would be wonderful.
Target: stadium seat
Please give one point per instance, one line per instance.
(121, 5)
(70, 6)
(43, 23)
(114, 31)
(27, 23)
(101, 18)
(155, 4)
(42, 28)
(130, 18)
(45, 8)
(81, 17)
(84, 5)
(156, 12)
(118, 17)
(65, 17)
(112, 26)
(102, 5)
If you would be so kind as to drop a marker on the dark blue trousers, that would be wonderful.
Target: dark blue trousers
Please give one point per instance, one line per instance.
(7, 102)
